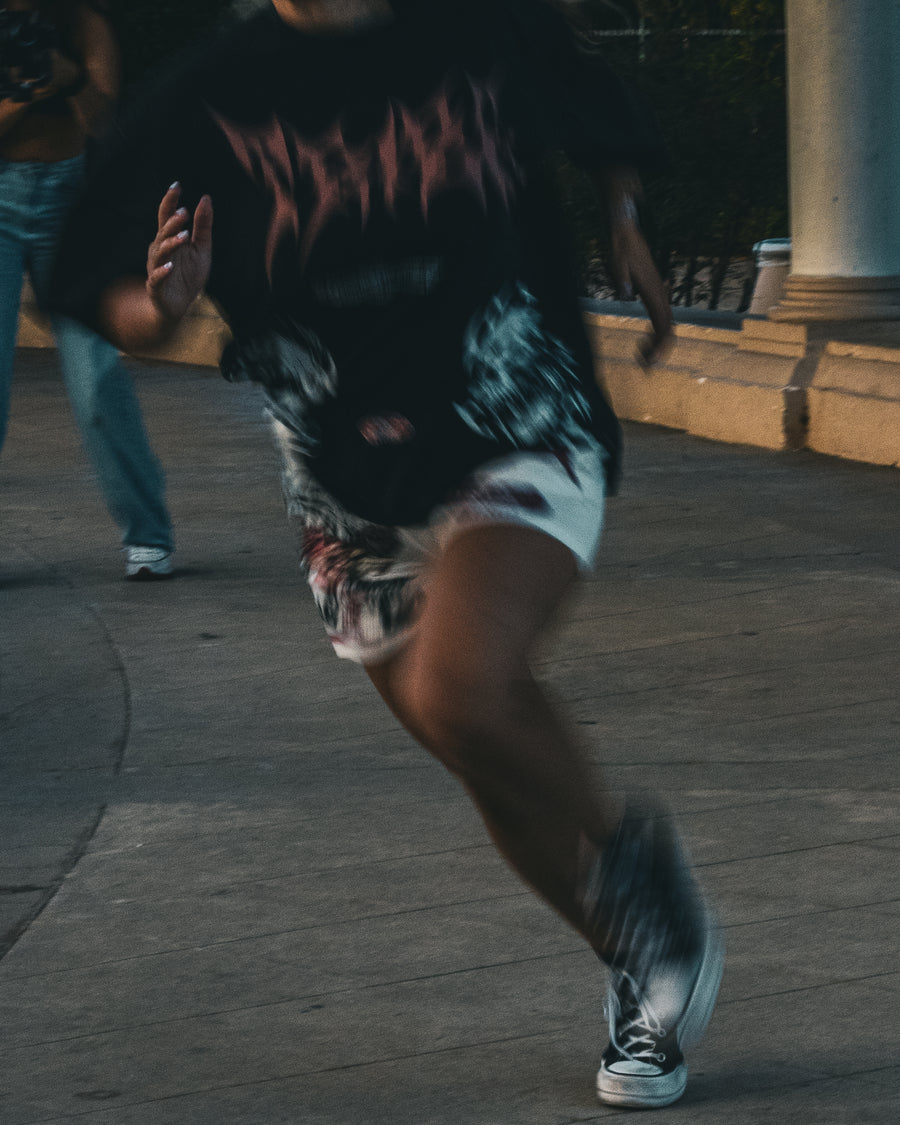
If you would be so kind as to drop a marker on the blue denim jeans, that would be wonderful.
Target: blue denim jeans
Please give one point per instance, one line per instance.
(34, 201)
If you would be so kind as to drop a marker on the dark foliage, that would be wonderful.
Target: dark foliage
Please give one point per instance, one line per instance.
(720, 99)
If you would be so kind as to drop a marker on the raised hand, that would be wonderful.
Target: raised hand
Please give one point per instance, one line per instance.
(179, 258)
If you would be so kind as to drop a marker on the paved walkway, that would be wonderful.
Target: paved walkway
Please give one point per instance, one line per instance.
(233, 891)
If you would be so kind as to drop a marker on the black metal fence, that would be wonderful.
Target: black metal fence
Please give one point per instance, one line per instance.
(719, 96)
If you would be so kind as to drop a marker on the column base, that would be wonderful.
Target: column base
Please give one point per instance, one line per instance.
(807, 299)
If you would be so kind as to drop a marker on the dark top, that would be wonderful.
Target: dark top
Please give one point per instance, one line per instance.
(386, 248)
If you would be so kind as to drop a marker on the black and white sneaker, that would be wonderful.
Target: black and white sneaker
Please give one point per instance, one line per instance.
(643, 1067)
(665, 955)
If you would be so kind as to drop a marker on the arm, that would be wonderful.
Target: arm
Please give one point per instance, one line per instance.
(65, 73)
(11, 113)
(139, 314)
(605, 130)
(96, 86)
(632, 263)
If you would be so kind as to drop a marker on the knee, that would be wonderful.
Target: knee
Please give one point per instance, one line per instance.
(86, 391)
(463, 720)
(95, 382)
(87, 406)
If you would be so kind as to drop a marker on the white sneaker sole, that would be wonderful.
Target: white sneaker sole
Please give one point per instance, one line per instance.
(145, 564)
(145, 572)
(638, 1092)
(699, 1009)
(631, 1091)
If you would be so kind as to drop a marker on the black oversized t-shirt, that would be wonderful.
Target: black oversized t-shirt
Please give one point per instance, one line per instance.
(386, 249)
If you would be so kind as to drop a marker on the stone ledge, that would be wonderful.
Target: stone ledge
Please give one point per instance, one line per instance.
(853, 402)
(770, 338)
(876, 353)
(771, 384)
(708, 385)
(199, 341)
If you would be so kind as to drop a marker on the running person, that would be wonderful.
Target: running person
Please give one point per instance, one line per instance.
(390, 260)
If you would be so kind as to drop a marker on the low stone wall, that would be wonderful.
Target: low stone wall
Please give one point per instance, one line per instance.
(714, 382)
(854, 403)
(199, 341)
(775, 385)
(756, 382)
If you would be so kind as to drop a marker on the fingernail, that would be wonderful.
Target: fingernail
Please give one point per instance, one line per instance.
(628, 293)
(181, 212)
(172, 187)
(182, 235)
(168, 265)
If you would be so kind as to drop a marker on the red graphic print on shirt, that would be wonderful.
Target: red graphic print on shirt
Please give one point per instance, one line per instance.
(451, 141)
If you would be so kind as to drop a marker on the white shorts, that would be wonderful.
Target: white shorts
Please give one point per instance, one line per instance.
(365, 578)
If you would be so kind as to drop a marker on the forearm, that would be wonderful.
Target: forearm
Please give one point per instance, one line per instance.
(631, 261)
(130, 318)
(94, 93)
(11, 113)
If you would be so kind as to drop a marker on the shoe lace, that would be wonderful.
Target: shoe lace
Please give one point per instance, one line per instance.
(634, 1027)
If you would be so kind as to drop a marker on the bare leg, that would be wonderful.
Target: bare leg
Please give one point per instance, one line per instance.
(462, 687)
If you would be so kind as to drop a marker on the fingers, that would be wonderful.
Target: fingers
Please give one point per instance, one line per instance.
(179, 258)
(656, 302)
(175, 229)
(178, 222)
(174, 234)
(174, 223)
(652, 349)
(203, 224)
(169, 204)
(157, 276)
(638, 275)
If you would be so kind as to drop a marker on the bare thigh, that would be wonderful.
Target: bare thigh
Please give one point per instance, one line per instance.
(486, 600)
(463, 688)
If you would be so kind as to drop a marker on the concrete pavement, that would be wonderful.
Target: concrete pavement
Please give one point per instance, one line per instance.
(233, 891)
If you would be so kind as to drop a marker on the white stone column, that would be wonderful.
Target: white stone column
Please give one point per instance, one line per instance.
(844, 145)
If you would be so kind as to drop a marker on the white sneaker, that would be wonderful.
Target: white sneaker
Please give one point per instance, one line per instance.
(643, 1067)
(665, 956)
(147, 563)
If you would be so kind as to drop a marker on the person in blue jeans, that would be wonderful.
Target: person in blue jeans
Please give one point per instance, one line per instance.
(60, 92)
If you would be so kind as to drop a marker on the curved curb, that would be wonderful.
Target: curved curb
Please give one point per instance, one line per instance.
(65, 713)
